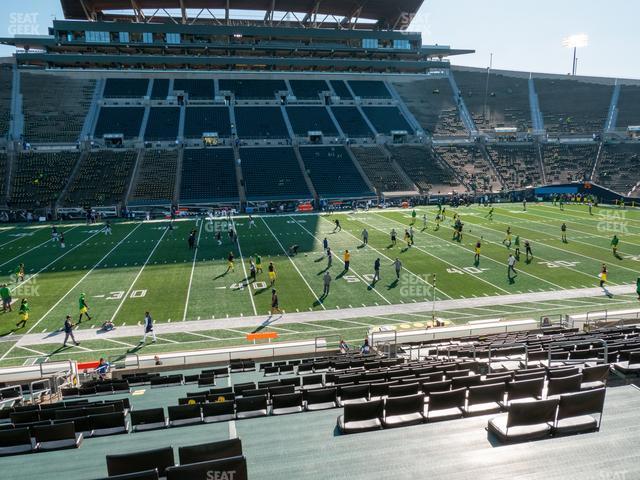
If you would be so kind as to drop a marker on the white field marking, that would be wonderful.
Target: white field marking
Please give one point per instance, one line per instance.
(576, 253)
(41, 244)
(596, 216)
(244, 267)
(358, 323)
(293, 263)
(318, 326)
(34, 351)
(438, 258)
(389, 259)
(342, 261)
(244, 334)
(31, 277)
(138, 275)
(166, 339)
(537, 257)
(193, 267)
(118, 342)
(76, 285)
(20, 237)
(487, 257)
(203, 335)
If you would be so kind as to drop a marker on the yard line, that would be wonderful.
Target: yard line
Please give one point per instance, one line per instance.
(38, 246)
(487, 257)
(244, 268)
(42, 354)
(118, 342)
(341, 261)
(389, 259)
(166, 339)
(293, 263)
(438, 258)
(74, 287)
(52, 262)
(193, 267)
(203, 335)
(597, 216)
(19, 237)
(537, 257)
(575, 253)
(138, 275)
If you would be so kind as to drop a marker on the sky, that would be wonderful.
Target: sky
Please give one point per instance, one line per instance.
(525, 36)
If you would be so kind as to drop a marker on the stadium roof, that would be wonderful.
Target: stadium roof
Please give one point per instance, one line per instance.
(395, 14)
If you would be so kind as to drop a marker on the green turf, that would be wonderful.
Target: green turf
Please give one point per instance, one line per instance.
(144, 266)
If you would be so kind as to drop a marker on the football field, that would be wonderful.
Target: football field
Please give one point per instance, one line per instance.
(146, 266)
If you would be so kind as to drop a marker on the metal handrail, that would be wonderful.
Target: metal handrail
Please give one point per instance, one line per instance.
(386, 332)
(44, 381)
(578, 342)
(514, 344)
(324, 337)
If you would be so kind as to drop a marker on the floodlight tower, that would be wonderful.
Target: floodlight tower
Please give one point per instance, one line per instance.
(576, 41)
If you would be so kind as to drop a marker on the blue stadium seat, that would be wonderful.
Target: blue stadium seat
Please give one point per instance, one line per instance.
(200, 167)
(272, 174)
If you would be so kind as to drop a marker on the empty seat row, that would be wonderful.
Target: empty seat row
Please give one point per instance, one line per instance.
(205, 461)
(39, 438)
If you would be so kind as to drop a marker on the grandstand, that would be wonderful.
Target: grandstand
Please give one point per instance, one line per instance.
(308, 89)
(432, 104)
(518, 165)
(568, 163)
(333, 173)
(200, 120)
(368, 89)
(125, 87)
(387, 120)
(54, 114)
(260, 122)
(572, 106)
(628, 114)
(273, 174)
(199, 166)
(471, 166)
(351, 122)
(311, 119)
(163, 124)
(495, 100)
(39, 178)
(618, 168)
(196, 89)
(101, 179)
(425, 169)
(381, 171)
(125, 121)
(156, 179)
(6, 82)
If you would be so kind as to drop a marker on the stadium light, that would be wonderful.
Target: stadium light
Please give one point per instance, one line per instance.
(579, 40)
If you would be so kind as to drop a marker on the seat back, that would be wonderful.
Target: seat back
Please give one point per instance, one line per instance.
(27, 416)
(315, 379)
(404, 389)
(234, 467)
(447, 399)
(107, 420)
(250, 404)
(183, 412)
(404, 405)
(581, 403)
(320, 395)
(465, 381)
(351, 392)
(363, 411)
(431, 387)
(287, 400)
(532, 413)
(151, 415)
(557, 386)
(562, 372)
(597, 373)
(14, 436)
(98, 410)
(215, 409)
(146, 475)
(210, 451)
(525, 388)
(241, 387)
(281, 390)
(486, 393)
(52, 433)
(159, 458)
